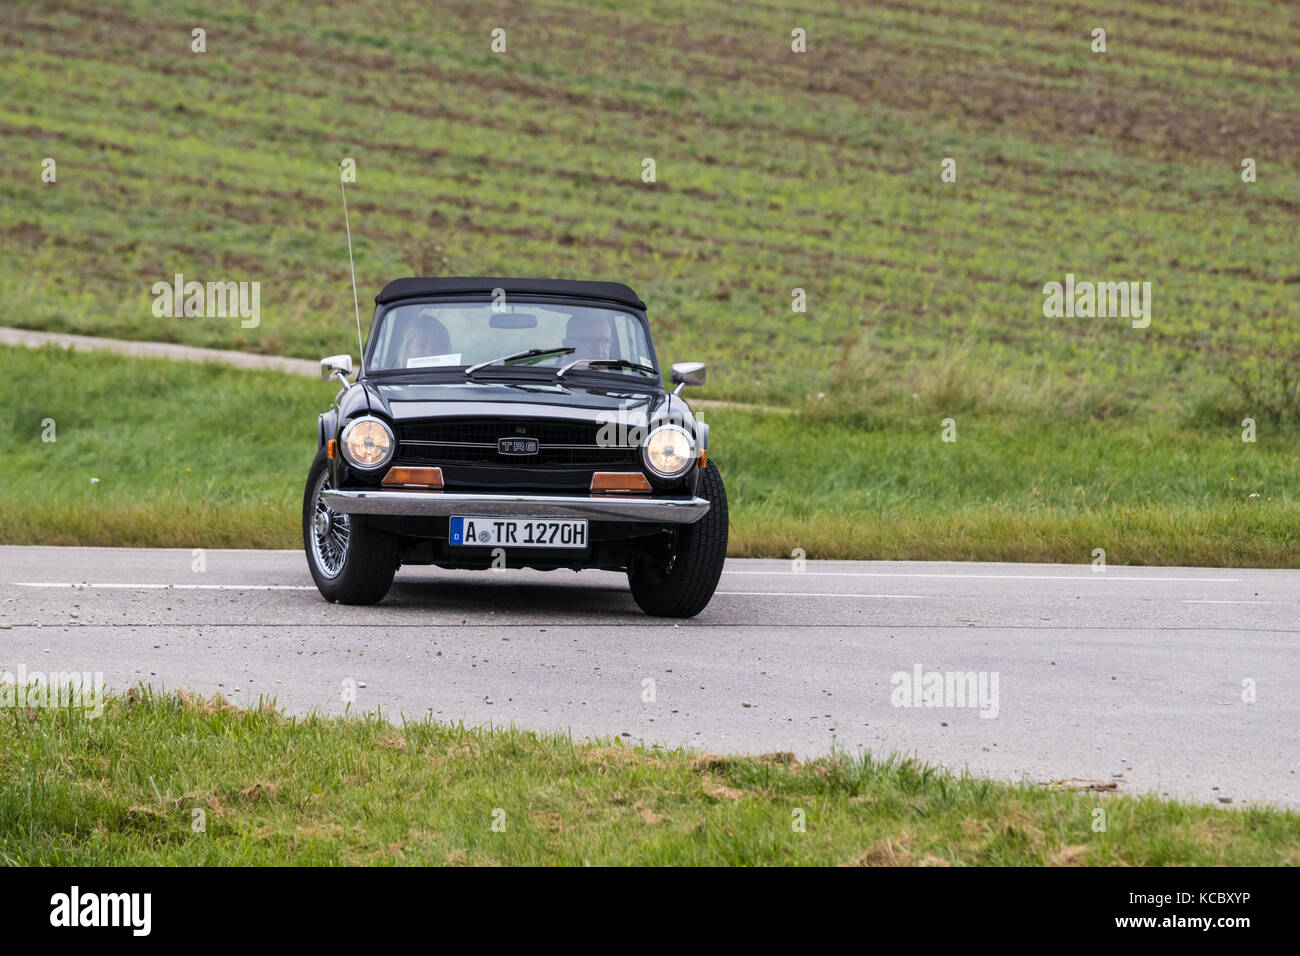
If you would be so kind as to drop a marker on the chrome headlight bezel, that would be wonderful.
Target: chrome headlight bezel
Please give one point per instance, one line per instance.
(690, 458)
(347, 455)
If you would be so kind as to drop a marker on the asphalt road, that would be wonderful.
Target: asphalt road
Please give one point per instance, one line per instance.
(1137, 675)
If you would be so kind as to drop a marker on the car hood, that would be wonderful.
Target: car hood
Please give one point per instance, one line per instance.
(402, 401)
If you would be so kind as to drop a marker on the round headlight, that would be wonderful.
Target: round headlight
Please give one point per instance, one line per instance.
(367, 443)
(668, 451)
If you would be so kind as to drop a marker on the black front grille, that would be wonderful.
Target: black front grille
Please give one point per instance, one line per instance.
(475, 441)
(434, 454)
(487, 431)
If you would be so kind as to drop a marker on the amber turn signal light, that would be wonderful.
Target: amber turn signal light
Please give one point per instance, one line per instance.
(414, 477)
(333, 447)
(619, 481)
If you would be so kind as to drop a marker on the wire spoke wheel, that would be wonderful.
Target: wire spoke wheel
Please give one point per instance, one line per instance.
(351, 561)
(331, 531)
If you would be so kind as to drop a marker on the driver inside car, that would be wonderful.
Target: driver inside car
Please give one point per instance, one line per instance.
(590, 337)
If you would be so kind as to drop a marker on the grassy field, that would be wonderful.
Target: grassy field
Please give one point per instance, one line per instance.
(191, 455)
(775, 170)
(123, 790)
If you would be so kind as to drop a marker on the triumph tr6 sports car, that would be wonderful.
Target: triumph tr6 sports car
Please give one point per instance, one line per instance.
(514, 423)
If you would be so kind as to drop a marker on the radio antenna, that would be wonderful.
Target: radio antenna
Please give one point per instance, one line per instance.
(361, 347)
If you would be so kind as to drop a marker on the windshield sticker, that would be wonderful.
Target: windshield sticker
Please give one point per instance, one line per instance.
(432, 361)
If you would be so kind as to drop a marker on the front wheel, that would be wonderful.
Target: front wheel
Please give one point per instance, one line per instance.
(351, 562)
(676, 576)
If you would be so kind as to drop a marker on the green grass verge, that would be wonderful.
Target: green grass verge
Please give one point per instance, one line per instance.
(199, 455)
(123, 789)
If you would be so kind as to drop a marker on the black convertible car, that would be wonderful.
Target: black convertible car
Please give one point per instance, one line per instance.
(514, 423)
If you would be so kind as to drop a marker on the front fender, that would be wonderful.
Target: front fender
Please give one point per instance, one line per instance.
(327, 425)
(348, 403)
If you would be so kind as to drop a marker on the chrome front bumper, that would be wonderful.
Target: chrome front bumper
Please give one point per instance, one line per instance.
(427, 503)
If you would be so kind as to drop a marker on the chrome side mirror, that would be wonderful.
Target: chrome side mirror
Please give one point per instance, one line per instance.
(340, 365)
(687, 373)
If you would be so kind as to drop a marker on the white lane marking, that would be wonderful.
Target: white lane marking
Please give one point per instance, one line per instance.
(166, 587)
(96, 547)
(1098, 576)
(1204, 601)
(312, 587)
(839, 594)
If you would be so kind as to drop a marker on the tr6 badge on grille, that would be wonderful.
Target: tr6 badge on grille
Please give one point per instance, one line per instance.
(517, 446)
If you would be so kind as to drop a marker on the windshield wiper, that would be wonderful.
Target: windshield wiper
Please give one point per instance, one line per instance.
(530, 353)
(606, 363)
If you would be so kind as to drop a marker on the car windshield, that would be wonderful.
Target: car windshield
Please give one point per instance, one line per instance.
(460, 334)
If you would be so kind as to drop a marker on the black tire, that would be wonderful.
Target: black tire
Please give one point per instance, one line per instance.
(360, 569)
(676, 577)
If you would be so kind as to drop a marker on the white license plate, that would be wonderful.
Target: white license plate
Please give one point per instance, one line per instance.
(519, 532)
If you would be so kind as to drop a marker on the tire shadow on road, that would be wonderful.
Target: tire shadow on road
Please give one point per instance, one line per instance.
(583, 603)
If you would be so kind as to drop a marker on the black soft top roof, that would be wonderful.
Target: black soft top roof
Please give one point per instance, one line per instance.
(453, 285)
